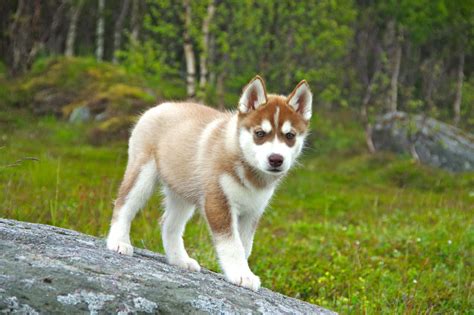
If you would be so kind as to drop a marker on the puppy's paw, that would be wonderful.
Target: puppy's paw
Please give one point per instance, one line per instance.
(120, 247)
(185, 263)
(244, 279)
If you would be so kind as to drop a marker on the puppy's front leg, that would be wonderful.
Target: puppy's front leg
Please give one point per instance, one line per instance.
(247, 226)
(230, 250)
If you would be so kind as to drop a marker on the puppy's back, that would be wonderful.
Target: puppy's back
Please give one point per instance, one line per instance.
(171, 133)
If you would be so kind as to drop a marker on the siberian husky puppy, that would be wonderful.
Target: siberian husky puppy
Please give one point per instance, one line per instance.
(227, 164)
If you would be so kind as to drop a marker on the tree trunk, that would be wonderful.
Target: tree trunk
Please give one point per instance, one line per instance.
(99, 53)
(119, 28)
(368, 129)
(71, 34)
(365, 44)
(395, 74)
(212, 59)
(428, 76)
(367, 99)
(25, 35)
(365, 117)
(135, 21)
(55, 34)
(16, 37)
(458, 99)
(189, 52)
(205, 46)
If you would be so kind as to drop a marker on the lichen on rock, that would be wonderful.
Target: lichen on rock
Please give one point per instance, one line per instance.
(45, 269)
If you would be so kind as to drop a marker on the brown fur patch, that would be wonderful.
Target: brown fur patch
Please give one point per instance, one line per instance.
(252, 177)
(218, 212)
(249, 174)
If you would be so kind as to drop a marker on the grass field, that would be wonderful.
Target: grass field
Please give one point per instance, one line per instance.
(348, 231)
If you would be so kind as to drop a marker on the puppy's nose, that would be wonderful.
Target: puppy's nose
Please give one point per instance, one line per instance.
(275, 160)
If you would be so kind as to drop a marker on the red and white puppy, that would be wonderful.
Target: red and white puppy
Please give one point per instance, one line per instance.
(226, 164)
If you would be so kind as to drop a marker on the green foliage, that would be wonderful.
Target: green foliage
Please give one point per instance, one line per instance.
(348, 231)
(329, 133)
(286, 42)
(144, 59)
(335, 45)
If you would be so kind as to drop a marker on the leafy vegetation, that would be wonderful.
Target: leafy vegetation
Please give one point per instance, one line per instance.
(410, 55)
(353, 232)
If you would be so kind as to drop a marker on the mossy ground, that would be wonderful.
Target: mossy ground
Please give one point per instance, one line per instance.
(57, 86)
(346, 230)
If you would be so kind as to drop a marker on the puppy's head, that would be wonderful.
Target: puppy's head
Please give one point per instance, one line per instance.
(272, 128)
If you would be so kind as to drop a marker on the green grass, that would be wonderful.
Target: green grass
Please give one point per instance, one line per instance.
(348, 231)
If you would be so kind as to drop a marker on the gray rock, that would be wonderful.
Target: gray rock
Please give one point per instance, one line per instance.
(430, 141)
(45, 269)
(101, 117)
(80, 114)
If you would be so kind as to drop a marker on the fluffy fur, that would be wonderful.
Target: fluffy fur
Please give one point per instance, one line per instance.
(226, 164)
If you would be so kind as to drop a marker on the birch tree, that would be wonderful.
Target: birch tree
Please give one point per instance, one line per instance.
(99, 53)
(189, 51)
(119, 29)
(135, 20)
(393, 39)
(55, 39)
(203, 62)
(75, 11)
(25, 44)
(397, 59)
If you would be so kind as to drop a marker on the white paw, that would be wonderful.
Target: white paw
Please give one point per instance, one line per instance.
(185, 263)
(120, 247)
(244, 279)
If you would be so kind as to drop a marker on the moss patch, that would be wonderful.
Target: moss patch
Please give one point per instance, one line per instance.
(60, 85)
(115, 128)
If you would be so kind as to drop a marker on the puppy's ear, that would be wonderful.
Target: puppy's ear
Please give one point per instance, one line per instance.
(301, 99)
(253, 96)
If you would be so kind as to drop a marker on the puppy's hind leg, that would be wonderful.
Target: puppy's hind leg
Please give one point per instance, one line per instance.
(177, 213)
(136, 188)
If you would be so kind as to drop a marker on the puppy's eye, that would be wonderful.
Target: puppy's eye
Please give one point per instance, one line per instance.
(289, 135)
(260, 133)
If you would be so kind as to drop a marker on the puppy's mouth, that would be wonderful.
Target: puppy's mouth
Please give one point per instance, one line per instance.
(275, 170)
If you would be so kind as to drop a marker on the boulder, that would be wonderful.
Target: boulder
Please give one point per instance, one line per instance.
(45, 269)
(426, 139)
(80, 114)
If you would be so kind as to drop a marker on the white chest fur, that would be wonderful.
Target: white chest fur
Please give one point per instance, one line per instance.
(244, 197)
